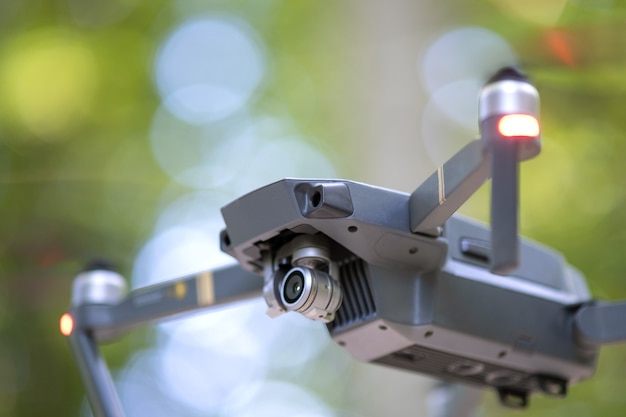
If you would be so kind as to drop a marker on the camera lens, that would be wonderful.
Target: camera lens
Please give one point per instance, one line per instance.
(294, 286)
(310, 292)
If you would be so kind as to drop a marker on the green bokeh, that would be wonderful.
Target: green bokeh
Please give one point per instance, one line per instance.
(83, 183)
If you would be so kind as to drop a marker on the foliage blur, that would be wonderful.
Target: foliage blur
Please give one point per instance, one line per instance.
(79, 95)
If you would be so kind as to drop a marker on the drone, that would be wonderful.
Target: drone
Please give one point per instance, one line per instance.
(399, 280)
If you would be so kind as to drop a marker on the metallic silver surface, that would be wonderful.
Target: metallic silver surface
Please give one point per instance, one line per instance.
(98, 287)
(318, 297)
(310, 251)
(508, 97)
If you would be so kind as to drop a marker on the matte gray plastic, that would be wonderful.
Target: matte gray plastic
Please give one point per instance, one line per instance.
(166, 299)
(377, 231)
(95, 374)
(433, 202)
(601, 323)
(504, 203)
(513, 328)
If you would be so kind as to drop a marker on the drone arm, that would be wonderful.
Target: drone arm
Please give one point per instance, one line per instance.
(98, 316)
(504, 203)
(167, 299)
(601, 323)
(95, 374)
(509, 124)
(433, 202)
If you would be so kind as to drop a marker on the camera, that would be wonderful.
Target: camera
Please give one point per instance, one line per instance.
(303, 278)
(311, 292)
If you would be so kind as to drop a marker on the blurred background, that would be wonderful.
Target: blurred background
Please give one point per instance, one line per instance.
(125, 125)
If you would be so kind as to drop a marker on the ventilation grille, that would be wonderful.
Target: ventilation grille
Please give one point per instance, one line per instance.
(358, 303)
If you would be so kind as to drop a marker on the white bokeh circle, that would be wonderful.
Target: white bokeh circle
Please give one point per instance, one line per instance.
(209, 68)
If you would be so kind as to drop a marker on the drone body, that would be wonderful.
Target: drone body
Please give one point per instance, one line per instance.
(424, 303)
(397, 278)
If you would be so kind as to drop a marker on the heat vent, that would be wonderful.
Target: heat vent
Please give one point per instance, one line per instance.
(358, 303)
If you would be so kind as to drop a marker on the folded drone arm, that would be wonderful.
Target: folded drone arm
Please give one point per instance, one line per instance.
(441, 195)
(164, 300)
(510, 133)
(96, 316)
(601, 323)
(95, 375)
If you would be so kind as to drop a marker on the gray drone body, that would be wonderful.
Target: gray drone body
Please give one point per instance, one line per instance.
(423, 303)
(398, 279)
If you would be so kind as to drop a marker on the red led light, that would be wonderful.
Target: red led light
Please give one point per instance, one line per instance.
(518, 125)
(66, 324)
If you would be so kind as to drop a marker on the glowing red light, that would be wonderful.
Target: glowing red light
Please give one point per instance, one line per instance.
(518, 125)
(66, 324)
